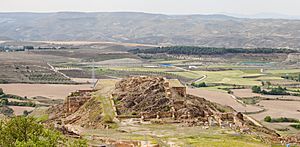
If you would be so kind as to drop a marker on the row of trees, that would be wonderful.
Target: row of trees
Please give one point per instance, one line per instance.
(280, 120)
(192, 50)
(274, 91)
(290, 77)
(202, 84)
(5, 102)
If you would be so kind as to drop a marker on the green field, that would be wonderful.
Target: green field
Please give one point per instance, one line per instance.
(228, 77)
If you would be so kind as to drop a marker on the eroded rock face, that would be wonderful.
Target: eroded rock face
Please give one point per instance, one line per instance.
(150, 97)
(75, 100)
(142, 94)
(79, 108)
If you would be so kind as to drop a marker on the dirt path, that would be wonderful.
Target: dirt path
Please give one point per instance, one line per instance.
(196, 80)
(201, 79)
(105, 88)
(53, 69)
(108, 109)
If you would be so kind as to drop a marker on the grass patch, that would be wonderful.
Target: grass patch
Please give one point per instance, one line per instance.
(250, 101)
(225, 140)
(42, 118)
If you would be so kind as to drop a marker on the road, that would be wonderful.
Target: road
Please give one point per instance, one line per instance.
(53, 69)
(201, 79)
(187, 70)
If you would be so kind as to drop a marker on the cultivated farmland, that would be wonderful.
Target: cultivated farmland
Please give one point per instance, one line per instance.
(53, 91)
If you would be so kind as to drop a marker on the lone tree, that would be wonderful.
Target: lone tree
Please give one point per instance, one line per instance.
(268, 119)
(256, 89)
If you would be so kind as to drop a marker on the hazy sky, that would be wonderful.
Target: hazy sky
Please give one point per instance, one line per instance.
(290, 7)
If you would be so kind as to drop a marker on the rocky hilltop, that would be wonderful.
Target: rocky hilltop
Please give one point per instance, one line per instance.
(157, 97)
(138, 97)
(146, 99)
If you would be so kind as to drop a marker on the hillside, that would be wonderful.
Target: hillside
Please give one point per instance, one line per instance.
(201, 30)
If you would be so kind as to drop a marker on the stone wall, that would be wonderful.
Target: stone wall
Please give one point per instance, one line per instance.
(76, 99)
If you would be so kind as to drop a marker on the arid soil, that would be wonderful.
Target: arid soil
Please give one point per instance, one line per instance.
(18, 110)
(53, 91)
(248, 93)
(279, 109)
(222, 98)
(244, 93)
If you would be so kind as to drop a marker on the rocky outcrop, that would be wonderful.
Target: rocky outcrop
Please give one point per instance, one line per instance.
(141, 94)
(150, 98)
(79, 108)
(76, 99)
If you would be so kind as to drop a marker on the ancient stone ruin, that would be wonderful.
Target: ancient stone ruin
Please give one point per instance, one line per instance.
(159, 98)
(76, 99)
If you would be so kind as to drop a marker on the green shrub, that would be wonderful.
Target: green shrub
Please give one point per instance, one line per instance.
(26, 131)
(268, 119)
(296, 126)
(280, 120)
(256, 89)
(203, 84)
(285, 119)
(274, 91)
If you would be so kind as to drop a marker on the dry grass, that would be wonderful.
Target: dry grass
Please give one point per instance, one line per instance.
(30, 57)
(223, 99)
(279, 109)
(53, 91)
(246, 93)
(18, 110)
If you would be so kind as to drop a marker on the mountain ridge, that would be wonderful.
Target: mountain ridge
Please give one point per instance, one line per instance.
(159, 29)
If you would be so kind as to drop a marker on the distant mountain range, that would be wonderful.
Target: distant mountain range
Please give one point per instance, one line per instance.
(264, 16)
(200, 30)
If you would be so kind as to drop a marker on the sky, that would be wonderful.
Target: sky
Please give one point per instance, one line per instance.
(242, 7)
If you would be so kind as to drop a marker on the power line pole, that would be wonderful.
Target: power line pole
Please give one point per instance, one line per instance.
(93, 73)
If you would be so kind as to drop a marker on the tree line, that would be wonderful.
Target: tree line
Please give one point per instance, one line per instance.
(193, 50)
(274, 91)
